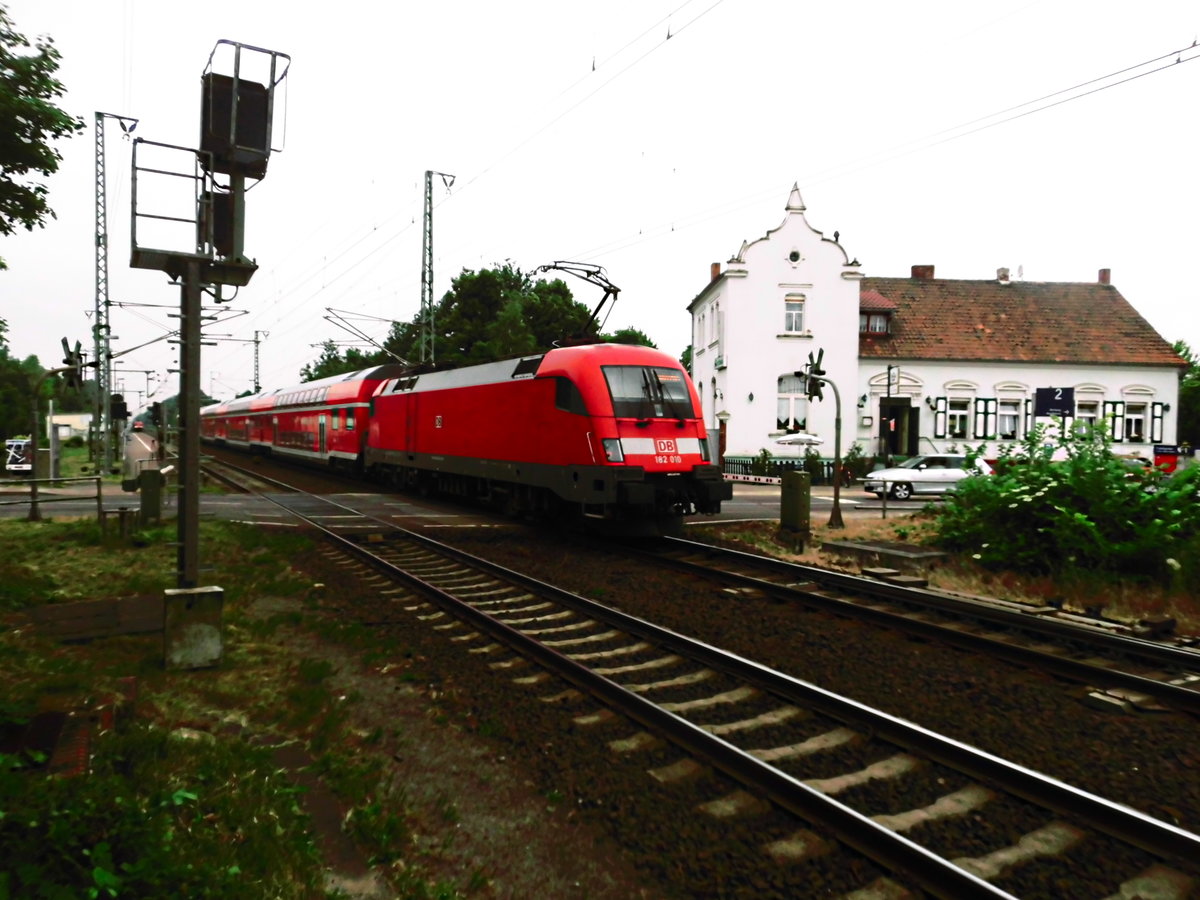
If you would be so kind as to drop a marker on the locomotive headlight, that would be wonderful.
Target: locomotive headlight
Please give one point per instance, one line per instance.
(612, 450)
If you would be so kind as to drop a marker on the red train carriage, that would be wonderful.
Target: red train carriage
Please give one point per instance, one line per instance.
(323, 421)
(609, 431)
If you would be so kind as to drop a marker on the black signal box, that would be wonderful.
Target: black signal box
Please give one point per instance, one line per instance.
(239, 143)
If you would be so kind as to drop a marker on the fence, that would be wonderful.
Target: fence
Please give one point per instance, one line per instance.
(821, 470)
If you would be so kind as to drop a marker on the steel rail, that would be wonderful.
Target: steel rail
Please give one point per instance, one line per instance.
(1128, 645)
(893, 850)
(1179, 696)
(1122, 822)
(890, 849)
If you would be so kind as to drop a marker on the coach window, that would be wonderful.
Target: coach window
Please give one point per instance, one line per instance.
(349, 419)
(333, 419)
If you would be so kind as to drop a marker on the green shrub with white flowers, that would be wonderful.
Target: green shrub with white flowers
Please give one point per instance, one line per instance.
(1063, 501)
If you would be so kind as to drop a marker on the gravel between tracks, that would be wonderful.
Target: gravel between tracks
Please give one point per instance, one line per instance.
(505, 753)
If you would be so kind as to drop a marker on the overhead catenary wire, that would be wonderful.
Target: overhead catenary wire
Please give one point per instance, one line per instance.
(680, 222)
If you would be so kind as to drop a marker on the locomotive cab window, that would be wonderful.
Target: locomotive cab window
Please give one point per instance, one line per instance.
(648, 392)
(567, 396)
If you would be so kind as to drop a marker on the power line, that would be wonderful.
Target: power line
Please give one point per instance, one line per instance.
(906, 148)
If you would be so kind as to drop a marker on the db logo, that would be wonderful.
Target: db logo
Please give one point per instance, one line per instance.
(664, 446)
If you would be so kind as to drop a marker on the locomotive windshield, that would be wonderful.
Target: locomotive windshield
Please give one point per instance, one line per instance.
(649, 392)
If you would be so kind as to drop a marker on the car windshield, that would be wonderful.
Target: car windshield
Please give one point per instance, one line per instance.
(648, 392)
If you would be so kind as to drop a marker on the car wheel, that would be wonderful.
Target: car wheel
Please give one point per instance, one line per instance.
(901, 491)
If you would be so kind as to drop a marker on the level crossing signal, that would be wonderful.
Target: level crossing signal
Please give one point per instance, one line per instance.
(73, 360)
(813, 375)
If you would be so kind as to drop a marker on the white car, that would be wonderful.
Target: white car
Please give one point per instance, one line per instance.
(932, 474)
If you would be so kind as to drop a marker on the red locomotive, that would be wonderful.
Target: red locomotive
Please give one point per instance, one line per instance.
(609, 432)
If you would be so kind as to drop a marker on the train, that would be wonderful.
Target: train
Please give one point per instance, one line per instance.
(605, 433)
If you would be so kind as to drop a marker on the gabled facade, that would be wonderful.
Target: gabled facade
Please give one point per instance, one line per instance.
(922, 364)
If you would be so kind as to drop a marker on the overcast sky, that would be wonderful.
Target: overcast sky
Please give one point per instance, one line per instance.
(650, 137)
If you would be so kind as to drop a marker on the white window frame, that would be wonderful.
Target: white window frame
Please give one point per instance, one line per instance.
(796, 402)
(1137, 413)
(958, 418)
(1009, 410)
(793, 313)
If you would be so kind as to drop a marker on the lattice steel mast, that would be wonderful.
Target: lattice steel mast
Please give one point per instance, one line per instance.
(427, 319)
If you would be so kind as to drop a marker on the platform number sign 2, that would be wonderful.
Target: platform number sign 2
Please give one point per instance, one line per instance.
(1054, 401)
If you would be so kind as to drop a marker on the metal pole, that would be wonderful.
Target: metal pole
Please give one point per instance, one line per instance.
(188, 522)
(35, 514)
(835, 516)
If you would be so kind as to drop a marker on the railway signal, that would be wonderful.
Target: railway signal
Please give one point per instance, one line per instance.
(73, 361)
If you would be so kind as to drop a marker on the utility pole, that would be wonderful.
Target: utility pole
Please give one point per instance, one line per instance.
(427, 323)
(102, 421)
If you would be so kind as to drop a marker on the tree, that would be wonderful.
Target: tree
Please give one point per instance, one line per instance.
(1188, 428)
(333, 362)
(487, 315)
(630, 335)
(29, 121)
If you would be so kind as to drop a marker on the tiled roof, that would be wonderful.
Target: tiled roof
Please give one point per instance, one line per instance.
(873, 301)
(1019, 321)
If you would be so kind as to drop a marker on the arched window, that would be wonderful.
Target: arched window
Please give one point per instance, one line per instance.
(791, 404)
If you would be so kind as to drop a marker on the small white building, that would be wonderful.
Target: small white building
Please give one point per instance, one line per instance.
(71, 425)
(922, 364)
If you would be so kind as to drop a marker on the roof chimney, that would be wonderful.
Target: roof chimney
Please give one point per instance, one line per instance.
(1105, 276)
(1002, 275)
(925, 272)
(714, 272)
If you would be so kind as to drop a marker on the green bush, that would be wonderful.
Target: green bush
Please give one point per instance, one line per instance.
(1066, 503)
(761, 464)
(854, 462)
(814, 466)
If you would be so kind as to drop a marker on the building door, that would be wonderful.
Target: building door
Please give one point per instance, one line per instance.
(899, 427)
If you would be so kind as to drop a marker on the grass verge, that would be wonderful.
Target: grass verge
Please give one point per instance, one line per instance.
(178, 799)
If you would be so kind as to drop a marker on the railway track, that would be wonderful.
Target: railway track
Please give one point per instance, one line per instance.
(900, 795)
(1128, 667)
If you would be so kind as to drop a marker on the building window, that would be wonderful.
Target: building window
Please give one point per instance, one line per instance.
(1086, 412)
(1010, 417)
(873, 323)
(793, 315)
(1135, 422)
(791, 413)
(958, 418)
